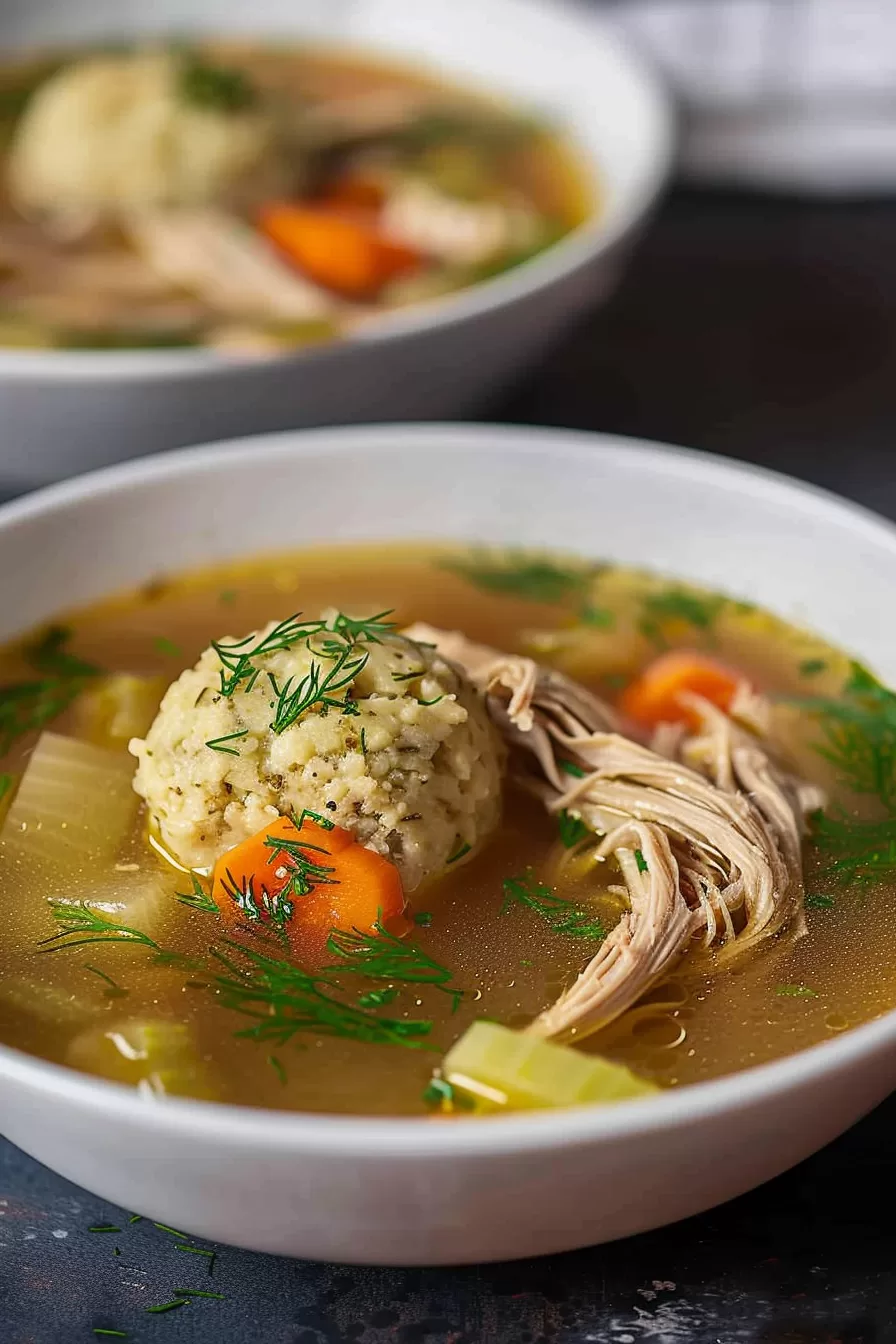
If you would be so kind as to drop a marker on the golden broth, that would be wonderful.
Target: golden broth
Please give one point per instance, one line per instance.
(509, 965)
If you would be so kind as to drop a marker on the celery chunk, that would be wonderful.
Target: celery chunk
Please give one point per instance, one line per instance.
(497, 1068)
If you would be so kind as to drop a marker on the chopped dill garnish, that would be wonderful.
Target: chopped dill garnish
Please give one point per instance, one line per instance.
(810, 667)
(573, 830)
(378, 998)
(79, 925)
(104, 1227)
(199, 1292)
(678, 604)
(381, 956)
(136, 1218)
(236, 657)
(110, 1333)
(423, 919)
(163, 1227)
(305, 873)
(167, 1306)
(566, 917)
(796, 992)
(162, 644)
(116, 1250)
(284, 1001)
(28, 706)
(317, 687)
(515, 574)
(597, 618)
(435, 700)
(372, 629)
(570, 768)
(363, 740)
(217, 87)
(278, 1068)
(817, 900)
(855, 853)
(260, 906)
(409, 676)
(859, 734)
(227, 596)
(217, 743)
(198, 898)
(113, 991)
(211, 1256)
(640, 861)
(462, 850)
(318, 818)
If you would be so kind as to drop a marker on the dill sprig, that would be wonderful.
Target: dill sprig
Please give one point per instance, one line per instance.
(859, 734)
(28, 706)
(258, 906)
(319, 685)
(79, 925)
(516, 574)
(220, 743)
(284, 1001)
(306, 872)
(370, 629)
(198, 898)
(381, 956)
(237, 656)
(561, 916)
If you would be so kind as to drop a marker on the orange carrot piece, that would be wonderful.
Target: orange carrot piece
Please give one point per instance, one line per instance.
(353, 887)
(337, 249)
(655, 696)
(354, 191)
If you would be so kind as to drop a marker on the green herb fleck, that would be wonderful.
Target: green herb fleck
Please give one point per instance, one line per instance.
(514, 574)
(573, 830)
(227, 596)
(854, 853)
(162, 644)
(113, 991)
(278, 1068)
(198, 898)
(570, 768)
(678, 604)
(363, 742)
(566, 917)
(796, 992)
(136, 1218)
(218, 743)
(462, 850)
(810, 667)
(409, 676)
(28, 706)
(104, 1227)
(215, 87)
(440, 1095)
(640, 861)
(819, 901)
(435, 700)
(167, 1306)
(859, 734)
(378, 998)
(109, 1333)
(163, 1227)
(80, 925)
(598, 618)
(199, 1292)
(423, 919)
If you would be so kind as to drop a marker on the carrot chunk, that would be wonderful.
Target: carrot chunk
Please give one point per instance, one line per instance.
(340, 250)
(656, 695)
(307, 880)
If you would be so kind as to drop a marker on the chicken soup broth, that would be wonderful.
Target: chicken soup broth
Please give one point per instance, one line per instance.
(586, 833)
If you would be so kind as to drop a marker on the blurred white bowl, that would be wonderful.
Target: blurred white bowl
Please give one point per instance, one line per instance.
(407, 1191)
(65, 412)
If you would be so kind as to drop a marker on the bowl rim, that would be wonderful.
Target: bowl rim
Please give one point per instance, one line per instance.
(417, 1137)
(591, 239)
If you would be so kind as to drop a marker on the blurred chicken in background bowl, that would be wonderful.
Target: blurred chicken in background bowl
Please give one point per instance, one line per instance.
(216, 221)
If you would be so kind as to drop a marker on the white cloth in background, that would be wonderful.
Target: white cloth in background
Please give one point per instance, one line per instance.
(789, 93)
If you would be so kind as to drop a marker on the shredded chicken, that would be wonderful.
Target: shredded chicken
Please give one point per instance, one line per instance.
(224, 262)
(461, 233)
(706, 830)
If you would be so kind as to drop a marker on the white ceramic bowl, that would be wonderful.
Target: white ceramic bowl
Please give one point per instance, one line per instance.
(410, 1191)
(64, 412)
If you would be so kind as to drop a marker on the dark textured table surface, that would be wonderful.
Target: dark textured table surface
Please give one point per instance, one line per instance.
(766, 331)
